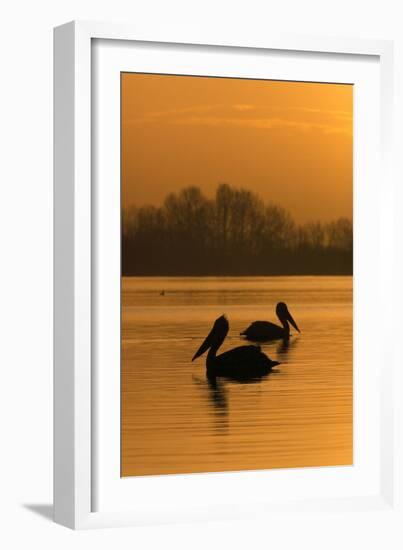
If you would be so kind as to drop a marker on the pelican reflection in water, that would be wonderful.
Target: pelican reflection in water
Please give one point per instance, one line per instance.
(218, 398)
(263, 331)
(238, 363)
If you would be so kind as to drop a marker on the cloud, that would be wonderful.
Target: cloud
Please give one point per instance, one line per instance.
(251, 116)
(183, 111)
(243, 107)
(262, 123)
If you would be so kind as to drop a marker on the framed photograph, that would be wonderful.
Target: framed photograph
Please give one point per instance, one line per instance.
(224, 282)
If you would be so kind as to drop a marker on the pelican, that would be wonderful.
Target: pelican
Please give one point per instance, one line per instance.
(238, 363)
(261, 331)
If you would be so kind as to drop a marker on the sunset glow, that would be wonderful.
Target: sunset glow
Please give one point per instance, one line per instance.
(290, 142)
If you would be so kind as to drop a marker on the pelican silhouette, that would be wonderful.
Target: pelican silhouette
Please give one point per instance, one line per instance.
(239, 363)
(263, 331)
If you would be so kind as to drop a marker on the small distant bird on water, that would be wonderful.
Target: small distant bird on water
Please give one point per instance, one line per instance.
(243, 362)
(263, 331)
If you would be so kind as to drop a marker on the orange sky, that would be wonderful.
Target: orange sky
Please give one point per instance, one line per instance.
(290, 142)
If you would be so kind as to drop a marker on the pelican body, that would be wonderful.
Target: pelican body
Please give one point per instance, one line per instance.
(238, 363)
(263, 331)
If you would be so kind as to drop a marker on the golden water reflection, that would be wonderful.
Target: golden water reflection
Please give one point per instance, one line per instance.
(175, 420)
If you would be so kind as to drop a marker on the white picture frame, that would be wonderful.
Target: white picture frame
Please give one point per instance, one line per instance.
(78, 422)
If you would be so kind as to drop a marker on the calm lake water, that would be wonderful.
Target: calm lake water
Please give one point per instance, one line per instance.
(174, 421)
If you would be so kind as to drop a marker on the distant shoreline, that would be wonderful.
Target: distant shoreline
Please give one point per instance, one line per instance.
(234, 234)
(211, 276)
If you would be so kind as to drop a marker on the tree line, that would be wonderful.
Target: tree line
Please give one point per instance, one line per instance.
(235, 233)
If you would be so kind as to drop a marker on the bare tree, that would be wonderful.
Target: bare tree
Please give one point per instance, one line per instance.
(233, 234)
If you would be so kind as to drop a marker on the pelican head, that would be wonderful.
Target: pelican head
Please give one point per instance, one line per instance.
(215, 338)
(284, 315)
